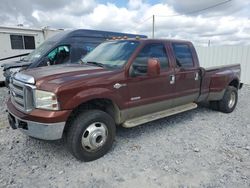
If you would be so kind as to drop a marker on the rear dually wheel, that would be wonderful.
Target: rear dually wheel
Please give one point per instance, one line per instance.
(229, 101)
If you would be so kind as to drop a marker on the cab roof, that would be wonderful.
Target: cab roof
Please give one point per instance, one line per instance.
(150, 40)
(91, 33)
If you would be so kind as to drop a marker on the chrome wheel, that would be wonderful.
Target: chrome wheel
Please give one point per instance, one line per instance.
(95, 136)
(232, 100)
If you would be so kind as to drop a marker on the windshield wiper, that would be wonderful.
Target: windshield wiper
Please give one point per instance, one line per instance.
(95, 63)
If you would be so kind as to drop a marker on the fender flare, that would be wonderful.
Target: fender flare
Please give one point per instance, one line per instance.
(91, 94)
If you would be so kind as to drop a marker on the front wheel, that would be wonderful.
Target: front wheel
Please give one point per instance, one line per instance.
(91, 135)
(229, 101)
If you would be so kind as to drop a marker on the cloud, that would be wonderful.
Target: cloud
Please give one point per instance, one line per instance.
(135, 4)
(220, 7)
(110, 17)
(225, 24)
(48, 4)
(80, 7)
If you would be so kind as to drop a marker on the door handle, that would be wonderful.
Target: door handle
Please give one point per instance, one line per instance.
(196, 77)
(172, 79)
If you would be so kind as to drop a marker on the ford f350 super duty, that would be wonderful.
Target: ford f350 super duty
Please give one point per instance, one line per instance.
(124, 82)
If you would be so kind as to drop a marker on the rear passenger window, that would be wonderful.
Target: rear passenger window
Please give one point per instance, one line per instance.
(183, 55)
(158, 51)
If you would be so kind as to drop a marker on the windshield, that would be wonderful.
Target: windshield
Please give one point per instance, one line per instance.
(113, 54)
(38, 52)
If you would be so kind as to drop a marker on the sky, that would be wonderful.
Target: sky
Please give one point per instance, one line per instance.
(222, 22)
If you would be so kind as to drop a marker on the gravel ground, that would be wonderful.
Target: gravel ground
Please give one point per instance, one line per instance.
(3, 114)
(199, 148)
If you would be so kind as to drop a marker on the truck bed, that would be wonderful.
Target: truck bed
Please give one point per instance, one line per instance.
(222, 67)
(215, 79)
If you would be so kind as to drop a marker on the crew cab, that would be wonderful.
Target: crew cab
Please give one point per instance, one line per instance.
(120, 83)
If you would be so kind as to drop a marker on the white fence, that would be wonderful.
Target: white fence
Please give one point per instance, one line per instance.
(224, 55)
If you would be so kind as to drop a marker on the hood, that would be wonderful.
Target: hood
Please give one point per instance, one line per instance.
(59, 74)
(15, 64)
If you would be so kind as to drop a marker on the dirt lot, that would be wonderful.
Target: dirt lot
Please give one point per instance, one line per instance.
(199, 148)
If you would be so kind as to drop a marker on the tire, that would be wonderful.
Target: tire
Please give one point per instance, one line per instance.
(229, 101)
(91, 135)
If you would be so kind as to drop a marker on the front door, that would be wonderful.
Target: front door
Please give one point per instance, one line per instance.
(149, 94)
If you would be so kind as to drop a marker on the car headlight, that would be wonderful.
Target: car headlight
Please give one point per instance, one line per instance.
(46, 100)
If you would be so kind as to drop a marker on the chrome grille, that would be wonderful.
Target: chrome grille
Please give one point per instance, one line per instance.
(17, 94)
(21, 95)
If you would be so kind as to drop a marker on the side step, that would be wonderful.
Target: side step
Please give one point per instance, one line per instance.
(158, 115)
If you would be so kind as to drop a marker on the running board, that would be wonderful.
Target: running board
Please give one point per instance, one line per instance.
(158, 115)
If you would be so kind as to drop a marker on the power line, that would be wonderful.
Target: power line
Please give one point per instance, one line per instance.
(197, 11)
(143, 21)
(191, 12)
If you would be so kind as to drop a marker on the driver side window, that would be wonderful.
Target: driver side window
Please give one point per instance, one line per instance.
(59, 55)
(140, 64)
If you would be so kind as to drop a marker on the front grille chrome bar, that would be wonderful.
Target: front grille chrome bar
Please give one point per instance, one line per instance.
(22, 94)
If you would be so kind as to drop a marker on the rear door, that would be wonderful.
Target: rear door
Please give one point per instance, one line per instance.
(150, 94)
(186, 74)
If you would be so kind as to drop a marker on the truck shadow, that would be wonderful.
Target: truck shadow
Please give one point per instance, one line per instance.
(2, 84)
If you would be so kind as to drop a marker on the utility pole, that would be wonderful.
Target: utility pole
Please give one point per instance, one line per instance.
(153, 27)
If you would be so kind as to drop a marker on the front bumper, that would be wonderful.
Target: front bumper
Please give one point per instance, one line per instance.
(48, 131)
(42, 124)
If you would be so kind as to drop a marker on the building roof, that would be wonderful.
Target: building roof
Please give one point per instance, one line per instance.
(27, 28)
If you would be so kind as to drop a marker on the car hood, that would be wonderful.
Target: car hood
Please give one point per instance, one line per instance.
(15, 64)
(60, 74)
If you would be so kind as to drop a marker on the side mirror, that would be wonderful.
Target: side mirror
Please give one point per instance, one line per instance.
(153, 67)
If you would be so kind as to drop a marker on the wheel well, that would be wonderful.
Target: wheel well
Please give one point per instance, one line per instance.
(105, 105)
(234, 83)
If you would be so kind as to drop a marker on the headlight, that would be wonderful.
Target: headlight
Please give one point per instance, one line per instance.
(46, 100)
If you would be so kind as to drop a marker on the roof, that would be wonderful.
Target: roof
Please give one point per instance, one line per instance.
(77, 32)
(90, 33)
(153, 40)
(101, 33)
(27, 28)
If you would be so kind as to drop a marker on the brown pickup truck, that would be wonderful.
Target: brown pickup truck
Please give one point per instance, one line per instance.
(124, 82)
